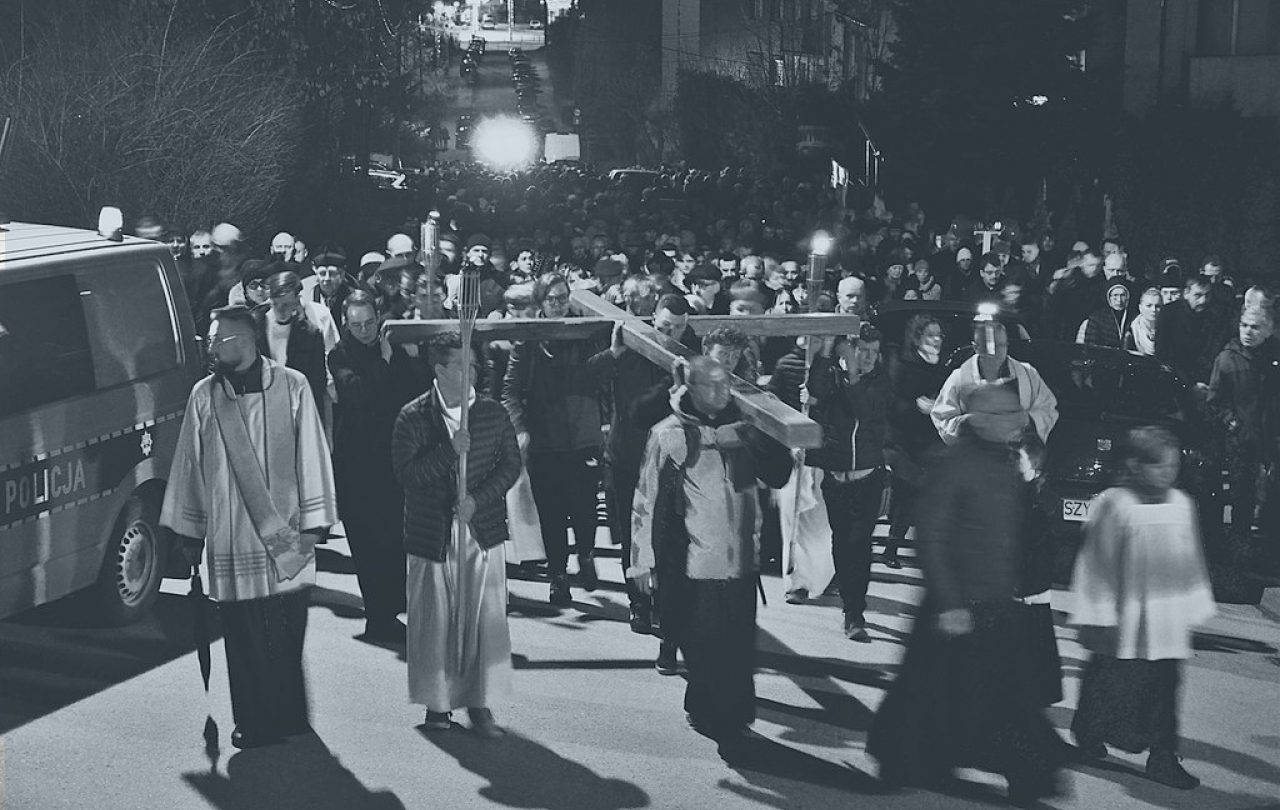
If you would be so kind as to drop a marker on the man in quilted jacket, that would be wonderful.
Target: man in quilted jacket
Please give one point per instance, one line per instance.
(458, 645)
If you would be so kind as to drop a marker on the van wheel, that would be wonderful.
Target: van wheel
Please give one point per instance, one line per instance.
(129, 580)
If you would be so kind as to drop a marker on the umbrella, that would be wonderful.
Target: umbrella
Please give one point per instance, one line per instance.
(197, 597)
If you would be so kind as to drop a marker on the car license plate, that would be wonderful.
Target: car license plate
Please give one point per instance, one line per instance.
(1075, 510)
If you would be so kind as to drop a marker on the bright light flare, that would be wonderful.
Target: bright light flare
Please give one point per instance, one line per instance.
(820, 245)
(504, 143)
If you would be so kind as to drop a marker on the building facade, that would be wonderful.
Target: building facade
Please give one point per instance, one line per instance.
(1203, 53)
(780, 42)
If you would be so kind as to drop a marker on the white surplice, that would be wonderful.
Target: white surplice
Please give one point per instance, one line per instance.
(202, 499)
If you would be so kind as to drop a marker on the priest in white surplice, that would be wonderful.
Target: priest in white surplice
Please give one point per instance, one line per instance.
(252, 486)
(459, 648)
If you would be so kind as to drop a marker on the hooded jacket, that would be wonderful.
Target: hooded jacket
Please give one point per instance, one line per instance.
(1244, 395)
(854, 418)
(666, 518)
(1105, 326)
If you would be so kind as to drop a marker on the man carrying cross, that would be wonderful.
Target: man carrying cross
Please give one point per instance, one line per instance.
(696, 527)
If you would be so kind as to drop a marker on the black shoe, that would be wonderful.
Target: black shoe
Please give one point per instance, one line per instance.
(855, 629)
(560, 595)
(587, 574)
(1088, 750)
(243, 740)
(1166, 768)
(667, 663)
(391, 631)
(437, 721)
(1026, 792)
(640, 621)
(890, 559)
(735, 745)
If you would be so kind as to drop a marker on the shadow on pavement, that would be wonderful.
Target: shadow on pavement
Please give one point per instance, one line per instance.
(522, 773)
(299, 775)
(784, 777)
(334, 562)
(1215, 642)
(52, 659)
(519, 661)
(1136, 784)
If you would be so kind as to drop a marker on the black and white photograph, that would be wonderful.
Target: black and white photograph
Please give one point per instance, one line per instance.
(612, 404)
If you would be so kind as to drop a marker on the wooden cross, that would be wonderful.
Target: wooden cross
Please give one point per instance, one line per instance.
(758, 407)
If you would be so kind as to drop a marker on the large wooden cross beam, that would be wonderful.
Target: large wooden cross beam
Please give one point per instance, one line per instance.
(758, 407)
(817, 324)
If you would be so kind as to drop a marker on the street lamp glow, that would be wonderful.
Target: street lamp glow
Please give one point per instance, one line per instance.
(820, 245)
(504, 143)
(987, 311)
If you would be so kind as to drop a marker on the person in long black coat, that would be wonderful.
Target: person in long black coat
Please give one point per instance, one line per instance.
(958, 701)
(374, 380)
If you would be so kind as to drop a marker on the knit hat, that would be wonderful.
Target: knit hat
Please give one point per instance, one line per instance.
(607, 268)
(479, 240)
(225, 234)
(256, 270)
(399, 244)
(330, 259)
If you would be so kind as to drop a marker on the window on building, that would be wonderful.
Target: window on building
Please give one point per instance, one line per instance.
(44, 345)
(1238, 28)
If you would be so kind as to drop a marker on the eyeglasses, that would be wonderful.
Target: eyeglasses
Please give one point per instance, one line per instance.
(362, 326)
(256, 285)
(218, 341)
(557, 299)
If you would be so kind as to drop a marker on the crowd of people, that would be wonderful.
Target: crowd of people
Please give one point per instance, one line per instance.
(693, 492)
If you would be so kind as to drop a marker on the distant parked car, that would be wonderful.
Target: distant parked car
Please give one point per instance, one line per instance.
(535, 25)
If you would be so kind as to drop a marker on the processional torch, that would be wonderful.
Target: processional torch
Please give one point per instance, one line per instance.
(819, 245)
(429, 258)
(468, 311)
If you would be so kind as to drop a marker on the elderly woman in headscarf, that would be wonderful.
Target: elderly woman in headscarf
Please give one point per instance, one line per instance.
(1109, 323)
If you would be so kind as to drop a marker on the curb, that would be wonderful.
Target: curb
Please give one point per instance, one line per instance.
(1270, 604)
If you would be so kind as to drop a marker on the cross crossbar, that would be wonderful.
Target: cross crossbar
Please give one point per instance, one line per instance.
(759, 408)
(819, 324)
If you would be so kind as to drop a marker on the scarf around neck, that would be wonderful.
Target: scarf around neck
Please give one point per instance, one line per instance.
(268, 490)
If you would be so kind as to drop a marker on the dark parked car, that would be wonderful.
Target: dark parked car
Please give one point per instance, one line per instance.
(1103, 393)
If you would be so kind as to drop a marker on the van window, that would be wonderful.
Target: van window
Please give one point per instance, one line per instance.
(130, 323)
(44, 344)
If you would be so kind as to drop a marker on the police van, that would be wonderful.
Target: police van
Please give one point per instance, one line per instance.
(98, 354)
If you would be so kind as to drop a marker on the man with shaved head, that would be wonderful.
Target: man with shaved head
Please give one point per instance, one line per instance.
(696, 528)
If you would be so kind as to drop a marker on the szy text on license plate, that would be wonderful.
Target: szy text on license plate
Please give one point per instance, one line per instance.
(1075, 510)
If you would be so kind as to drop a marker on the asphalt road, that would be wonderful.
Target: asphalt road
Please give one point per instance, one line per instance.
(493, 92)
(112, 718)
